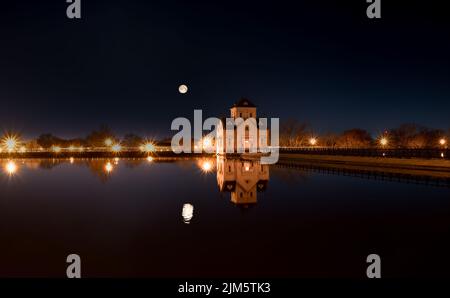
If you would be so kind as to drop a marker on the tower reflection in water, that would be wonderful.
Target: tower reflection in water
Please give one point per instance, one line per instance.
(242, 178)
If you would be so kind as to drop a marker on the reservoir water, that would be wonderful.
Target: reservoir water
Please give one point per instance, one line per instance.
(214, 218)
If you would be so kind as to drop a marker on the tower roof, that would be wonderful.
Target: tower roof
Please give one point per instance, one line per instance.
(244, 103)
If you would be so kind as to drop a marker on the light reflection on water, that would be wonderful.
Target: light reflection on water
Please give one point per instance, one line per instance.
(232, 217)
(10, 167)
(243, 179)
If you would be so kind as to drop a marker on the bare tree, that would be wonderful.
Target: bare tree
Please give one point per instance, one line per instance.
(415, 136)
(293, 133)
(329, 140)
(132, 140)
(97, 137)
(355, 138)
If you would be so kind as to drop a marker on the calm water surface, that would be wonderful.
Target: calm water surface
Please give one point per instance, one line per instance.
(214, 218)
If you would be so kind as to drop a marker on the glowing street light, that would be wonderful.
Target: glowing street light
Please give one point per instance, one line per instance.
(207, 143)
(56, 149)
(108, 142)
(384, 141)
(148, 147)
(313, 141)
(442, 142)
(10, 143)
(116, 148)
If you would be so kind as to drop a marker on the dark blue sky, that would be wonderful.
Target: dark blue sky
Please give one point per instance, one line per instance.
(322, 62)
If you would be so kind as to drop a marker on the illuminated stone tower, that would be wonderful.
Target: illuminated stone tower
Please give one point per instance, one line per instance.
(244, 109)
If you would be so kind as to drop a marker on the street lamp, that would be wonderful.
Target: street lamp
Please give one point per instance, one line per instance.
(148, 147)
(108, 142)
(207, 143)
(10, 143)
(116, 148)
(313, 141)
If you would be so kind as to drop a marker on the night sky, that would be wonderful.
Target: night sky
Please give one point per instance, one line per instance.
(321, 62)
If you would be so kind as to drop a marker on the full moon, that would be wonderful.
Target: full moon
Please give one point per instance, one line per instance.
(183, 89)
